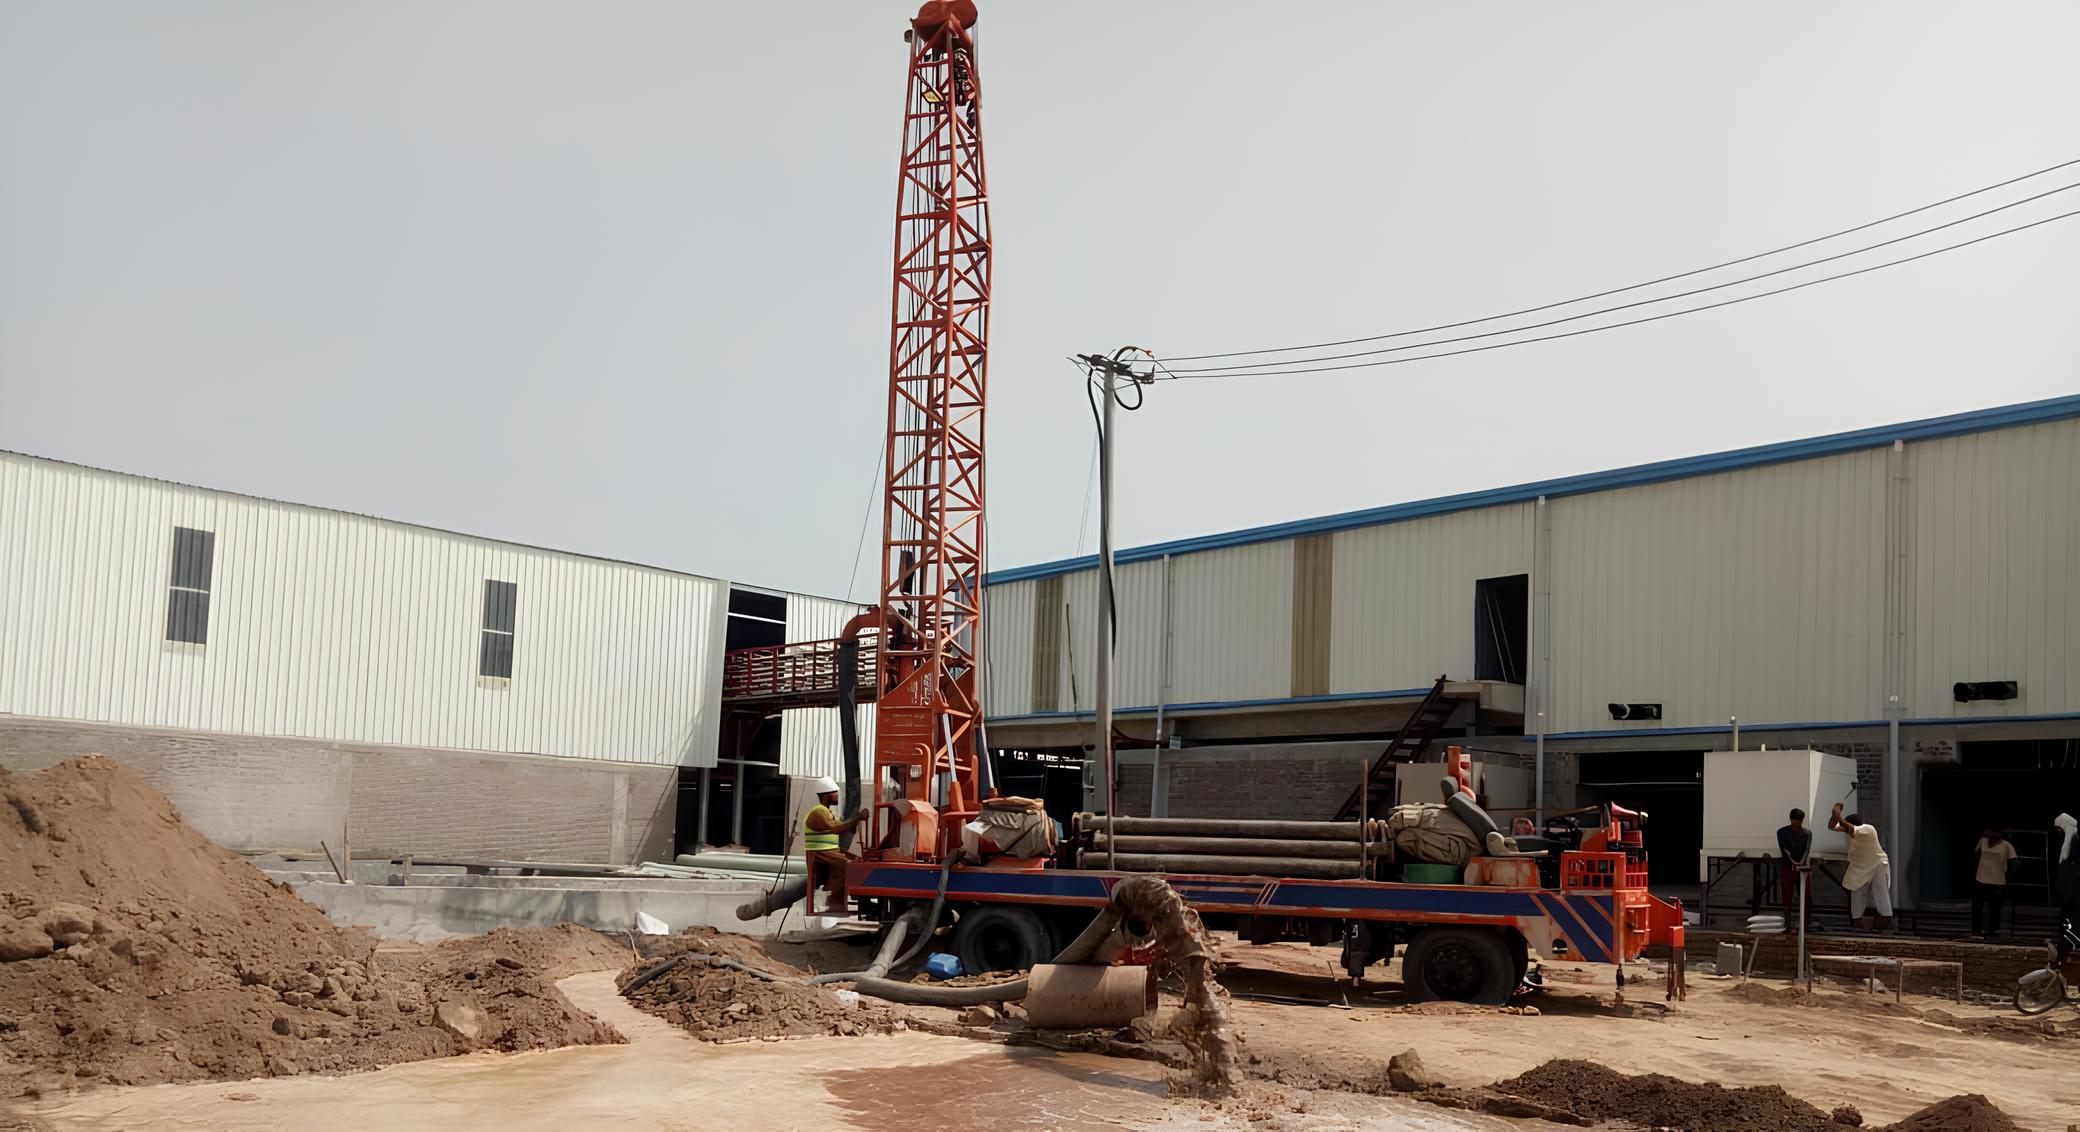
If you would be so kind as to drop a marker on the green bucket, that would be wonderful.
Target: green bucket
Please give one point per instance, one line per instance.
(1430, 874)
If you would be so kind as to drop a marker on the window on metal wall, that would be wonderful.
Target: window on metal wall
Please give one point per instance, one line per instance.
(187, 593)
(495, 651)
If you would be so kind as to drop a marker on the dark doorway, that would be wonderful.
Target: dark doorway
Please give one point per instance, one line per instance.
(1669, 786)
(2016, 786)
(1501, 628)
(1054, 777)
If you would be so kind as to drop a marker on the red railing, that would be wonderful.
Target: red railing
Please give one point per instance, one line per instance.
(1600, 872)
(807, 670)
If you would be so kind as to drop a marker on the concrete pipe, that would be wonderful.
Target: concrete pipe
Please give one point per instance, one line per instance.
(1220, 827)
(1060, 997)
(1224, 866)
(1227, 846)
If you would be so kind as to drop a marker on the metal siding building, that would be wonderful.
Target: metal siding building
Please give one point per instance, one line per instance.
(328, 625)
(810, 743)
(1827, 592)
(284, 673)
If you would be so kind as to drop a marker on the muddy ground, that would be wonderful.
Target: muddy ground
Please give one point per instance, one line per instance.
(133, 952)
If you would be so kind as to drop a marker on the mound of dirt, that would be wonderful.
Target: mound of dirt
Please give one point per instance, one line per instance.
(1651, 1100)
(1968, 1112)
(134, 951)
(716, 1003)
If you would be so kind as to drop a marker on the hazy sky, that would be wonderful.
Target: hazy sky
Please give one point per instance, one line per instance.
(613, 277)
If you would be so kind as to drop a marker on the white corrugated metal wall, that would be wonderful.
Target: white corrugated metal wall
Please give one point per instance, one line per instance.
(809, 739)
(1756, 593)
(328, 625)
(1403, 604)
(1995, 587)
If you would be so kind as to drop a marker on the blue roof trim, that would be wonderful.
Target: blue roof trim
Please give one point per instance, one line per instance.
(1216, 705)
(1838, 725)
(1933, 428)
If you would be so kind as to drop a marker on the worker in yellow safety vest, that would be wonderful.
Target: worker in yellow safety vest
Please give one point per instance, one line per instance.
(820, 847)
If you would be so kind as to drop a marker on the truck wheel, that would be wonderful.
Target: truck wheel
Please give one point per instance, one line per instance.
(997, 937)
(1459, 965)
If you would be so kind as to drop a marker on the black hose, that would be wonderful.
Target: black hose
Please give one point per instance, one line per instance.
(639, 981)
(931, 920)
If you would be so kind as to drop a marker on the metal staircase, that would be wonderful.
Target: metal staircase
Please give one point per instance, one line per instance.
(1408, 746)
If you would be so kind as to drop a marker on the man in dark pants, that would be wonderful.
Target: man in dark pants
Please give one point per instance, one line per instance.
(1794, 846)
(1990, 881)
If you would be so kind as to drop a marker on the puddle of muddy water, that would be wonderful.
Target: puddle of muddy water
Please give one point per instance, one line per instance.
(1036, 1088)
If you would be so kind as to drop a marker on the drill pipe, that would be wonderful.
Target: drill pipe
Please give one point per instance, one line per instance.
(1227, 846)
(1226, 866)
(1224, 827)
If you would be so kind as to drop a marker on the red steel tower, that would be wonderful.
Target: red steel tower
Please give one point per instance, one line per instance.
(927, 729)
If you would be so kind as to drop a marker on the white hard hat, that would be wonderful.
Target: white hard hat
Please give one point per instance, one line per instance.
(824, 786)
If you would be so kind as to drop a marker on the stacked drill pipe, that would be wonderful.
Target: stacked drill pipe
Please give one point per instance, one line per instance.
(1317, 850)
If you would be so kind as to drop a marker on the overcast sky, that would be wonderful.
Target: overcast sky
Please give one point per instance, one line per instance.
(613, 277)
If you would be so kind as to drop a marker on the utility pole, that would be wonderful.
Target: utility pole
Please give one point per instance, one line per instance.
(1111, 371)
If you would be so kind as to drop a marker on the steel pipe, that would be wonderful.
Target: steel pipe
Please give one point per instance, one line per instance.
(1221, 827)
(1227, 846)
(1225, 866)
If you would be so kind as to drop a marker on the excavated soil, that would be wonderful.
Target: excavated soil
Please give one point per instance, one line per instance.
(1967, 1113)
(1587, 1089)
(720, 1004)
(1585, 1093)
(134, 951)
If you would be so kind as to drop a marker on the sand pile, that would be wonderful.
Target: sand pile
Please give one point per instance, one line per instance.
(1597, 1092)
(1967, 1113)
(134, 951)
(722, 1004)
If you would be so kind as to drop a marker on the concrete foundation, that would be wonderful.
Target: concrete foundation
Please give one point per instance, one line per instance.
(438, 906)
(259, 793)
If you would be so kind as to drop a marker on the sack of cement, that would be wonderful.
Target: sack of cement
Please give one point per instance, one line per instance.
(1430, 833)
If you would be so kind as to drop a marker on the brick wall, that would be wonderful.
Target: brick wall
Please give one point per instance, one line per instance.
(257, 793)
(1563, 774)
(1286, 783)
(1987, 967)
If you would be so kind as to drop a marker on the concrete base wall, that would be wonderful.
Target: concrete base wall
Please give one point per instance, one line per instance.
(255, 792)
(438, 907)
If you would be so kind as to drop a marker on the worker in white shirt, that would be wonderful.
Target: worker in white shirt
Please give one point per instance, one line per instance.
(1869, 878)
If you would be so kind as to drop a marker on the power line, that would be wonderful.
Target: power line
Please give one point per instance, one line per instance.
(873, 490)
(1634, 286)
(1638, 321)
(1636, 302)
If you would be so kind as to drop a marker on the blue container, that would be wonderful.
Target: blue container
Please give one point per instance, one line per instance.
(942, 966)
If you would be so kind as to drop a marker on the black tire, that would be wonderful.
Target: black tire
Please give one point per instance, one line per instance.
(2035, 996)
(1519, 955)
(1459, 965)
(996, 937)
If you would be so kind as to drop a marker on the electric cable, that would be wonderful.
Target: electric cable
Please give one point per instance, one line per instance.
(1628, 306)
(1635, 286)
(1636, 321)
(866, 520)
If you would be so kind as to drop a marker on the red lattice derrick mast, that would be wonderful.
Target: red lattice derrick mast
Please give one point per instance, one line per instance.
(926, 730)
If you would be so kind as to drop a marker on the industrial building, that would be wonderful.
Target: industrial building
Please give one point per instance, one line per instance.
(289, 675)
(1907, 594)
